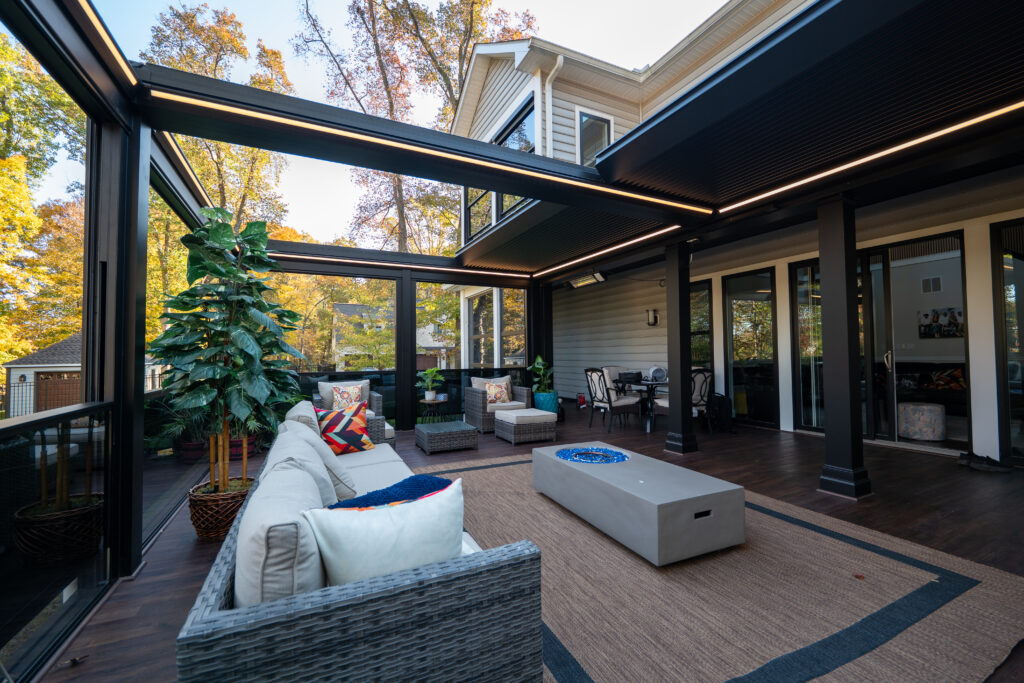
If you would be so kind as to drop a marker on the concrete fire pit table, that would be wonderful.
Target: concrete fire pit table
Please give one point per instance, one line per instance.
(662, 512)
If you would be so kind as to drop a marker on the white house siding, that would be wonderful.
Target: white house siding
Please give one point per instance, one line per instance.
(503, 88)
(567, 96)
(606, 324)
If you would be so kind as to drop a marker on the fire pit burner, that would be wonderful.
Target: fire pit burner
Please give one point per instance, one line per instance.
(592, 456)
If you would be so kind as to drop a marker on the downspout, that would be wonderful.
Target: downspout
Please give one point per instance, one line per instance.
(549, 106)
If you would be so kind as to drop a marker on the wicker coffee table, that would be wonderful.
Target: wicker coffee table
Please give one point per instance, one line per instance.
(445, 436)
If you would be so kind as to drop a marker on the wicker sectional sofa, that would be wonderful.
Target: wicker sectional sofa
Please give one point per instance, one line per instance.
(475, 616)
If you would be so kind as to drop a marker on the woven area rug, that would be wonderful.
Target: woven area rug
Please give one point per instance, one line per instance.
(807, 597)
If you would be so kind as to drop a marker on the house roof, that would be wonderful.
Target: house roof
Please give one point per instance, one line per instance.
(67, 351)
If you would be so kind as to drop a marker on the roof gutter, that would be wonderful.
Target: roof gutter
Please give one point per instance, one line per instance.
(548, 105)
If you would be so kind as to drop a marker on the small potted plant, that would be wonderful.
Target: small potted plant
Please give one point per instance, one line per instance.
(227, 357)
(429, 378)
(544, 396)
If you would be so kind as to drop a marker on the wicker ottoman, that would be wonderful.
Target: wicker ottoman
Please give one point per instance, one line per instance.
(445, 436)
(528, 424)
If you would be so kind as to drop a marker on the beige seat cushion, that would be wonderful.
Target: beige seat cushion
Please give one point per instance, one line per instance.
(326, 391)
(525, 416)
(469, 544)
(380, 476)
(663, 402)
(277, 554)
(303, 412)
(389, 431)
(611, 375)
(511, 405)
(340, 477)
(620, 402)
(380, 453)
(292, 446)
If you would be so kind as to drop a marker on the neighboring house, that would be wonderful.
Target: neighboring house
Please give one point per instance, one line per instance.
(349, 339)
(755, 302)
(52, 378)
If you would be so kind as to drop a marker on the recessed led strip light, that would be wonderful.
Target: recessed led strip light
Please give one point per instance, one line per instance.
(108, 41)
(184, 162)
(392, 264)
(362, 137)
(878, 155)
(607, 250)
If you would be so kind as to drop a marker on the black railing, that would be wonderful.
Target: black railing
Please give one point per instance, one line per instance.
(52, 525)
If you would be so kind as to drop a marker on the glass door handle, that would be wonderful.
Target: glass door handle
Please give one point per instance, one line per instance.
(887, 359)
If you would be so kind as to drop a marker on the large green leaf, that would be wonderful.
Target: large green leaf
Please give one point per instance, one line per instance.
(208, 371)
(245, 341)
(238, 403)
(261, 318)
(257, 386)
(223, 236)
(196, 398)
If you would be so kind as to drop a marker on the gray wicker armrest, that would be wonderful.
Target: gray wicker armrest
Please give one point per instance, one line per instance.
(375, 428)
(475, 616)
(317, 400)
(476, 400)
(523, 394)
(376, 403)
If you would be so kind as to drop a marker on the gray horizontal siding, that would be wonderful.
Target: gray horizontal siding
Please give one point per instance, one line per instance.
(566, 97)
(606, 324)
(502, 88)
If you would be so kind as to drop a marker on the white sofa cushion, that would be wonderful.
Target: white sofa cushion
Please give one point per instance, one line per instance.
(525, 416)
(360, 544)
(326, 391)
(481, 382)
(379, 476)
(379, 454)
(303, 412)
(510, 405)
(469, 546)
(277, 553)
(340, 478)
(292, 446)
(389, 431)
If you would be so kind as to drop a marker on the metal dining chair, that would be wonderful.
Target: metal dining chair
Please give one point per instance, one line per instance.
(604, 399)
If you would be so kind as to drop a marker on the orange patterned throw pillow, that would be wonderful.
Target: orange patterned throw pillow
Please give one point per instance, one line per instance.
(345, 396)
(345, 430)
(497, 393)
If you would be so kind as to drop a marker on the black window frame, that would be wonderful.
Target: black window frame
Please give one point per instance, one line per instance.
(579, 134)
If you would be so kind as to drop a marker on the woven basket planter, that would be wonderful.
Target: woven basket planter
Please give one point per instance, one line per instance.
(55, 538)
(213, 513)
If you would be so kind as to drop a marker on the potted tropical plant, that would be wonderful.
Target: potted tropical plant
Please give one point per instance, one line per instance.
(544, 396)
(429, 378)
(227, 357)
(64, 527)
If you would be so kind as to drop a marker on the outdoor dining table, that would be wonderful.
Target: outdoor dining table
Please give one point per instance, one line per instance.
(651, 387)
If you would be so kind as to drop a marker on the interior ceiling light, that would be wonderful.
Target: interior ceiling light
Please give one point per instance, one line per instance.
(584, 280)
(392, 264)
(108, 41)
(173, 144)
(878, 155)
(607, 250)
(362, 137)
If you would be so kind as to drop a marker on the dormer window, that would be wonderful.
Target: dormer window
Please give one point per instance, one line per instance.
(595, 133)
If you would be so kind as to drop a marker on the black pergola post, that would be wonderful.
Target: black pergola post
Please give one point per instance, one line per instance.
(538, 322)
(680, 437)
(405, 353)
(844, 472)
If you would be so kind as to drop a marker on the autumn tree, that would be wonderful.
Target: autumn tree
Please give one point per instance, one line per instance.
(166, 259)
(212, 43)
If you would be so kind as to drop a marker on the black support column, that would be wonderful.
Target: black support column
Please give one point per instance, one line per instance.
(539, 322)
(680, 438)
(844, 472)
(405, 352)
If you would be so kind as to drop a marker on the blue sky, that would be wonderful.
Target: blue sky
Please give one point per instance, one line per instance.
(320, 194)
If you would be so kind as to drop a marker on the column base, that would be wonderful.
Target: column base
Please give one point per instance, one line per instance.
(680, 443)
(844, 481)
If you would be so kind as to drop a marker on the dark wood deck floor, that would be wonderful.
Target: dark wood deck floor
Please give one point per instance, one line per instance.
(925, 498)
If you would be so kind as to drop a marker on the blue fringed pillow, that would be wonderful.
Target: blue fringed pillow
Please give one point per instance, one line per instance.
(410, 488)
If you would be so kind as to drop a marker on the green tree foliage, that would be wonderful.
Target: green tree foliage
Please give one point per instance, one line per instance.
(439, 311)
(225, 343)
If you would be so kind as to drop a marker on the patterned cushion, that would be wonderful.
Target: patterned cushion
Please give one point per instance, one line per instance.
(326, 391)
(345, 430)
(497, 392)
(410, 488)
(345, 396)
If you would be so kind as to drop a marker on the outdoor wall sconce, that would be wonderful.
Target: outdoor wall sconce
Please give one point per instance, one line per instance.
(22, 378)
(652, 317)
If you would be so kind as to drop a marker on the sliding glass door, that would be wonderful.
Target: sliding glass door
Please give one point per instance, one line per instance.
(752, 369)
(1008, 243)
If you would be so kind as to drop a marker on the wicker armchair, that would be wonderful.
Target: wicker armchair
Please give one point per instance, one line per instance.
(476, 406)
(474, 616)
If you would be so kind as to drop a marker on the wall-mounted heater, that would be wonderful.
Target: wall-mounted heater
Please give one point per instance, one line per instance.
(584, 280)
